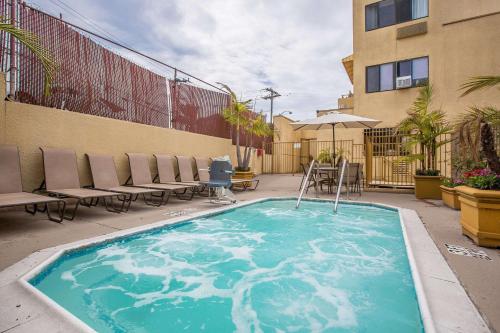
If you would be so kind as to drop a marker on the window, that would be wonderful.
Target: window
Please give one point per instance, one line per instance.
(419, 9)
(389, 12)
(386, 13)
(383, 77)
(420, 71)
(404, 68)
(386, 77)
(371, 16)
(372, 78)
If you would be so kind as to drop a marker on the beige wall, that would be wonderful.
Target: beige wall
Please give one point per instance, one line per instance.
(456, 52)
(31, 126)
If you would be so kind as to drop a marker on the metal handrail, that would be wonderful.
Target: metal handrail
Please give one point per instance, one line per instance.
(306, 182)
(344, 162)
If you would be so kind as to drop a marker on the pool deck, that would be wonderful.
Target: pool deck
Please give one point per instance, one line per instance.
(22, 234)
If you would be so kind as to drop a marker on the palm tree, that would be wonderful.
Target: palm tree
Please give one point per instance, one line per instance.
(32, 42)
(238, 114)
(425, 128)
(475, 127)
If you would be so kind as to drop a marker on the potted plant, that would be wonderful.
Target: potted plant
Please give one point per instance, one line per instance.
(325, 156)
(448, 193)
(480, 196)
(425, 129)
(243, 120)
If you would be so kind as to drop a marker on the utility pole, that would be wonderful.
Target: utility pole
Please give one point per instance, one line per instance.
(272, 95)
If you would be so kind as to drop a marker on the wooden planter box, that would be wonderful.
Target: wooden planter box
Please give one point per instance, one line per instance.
(427, 187)
(450, 197)
(480, 215)
(243, 175)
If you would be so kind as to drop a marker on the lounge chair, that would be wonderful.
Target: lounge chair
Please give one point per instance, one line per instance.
(140, 176)
(167, 175)
(62, 180)
(11, 188)
(104, 177)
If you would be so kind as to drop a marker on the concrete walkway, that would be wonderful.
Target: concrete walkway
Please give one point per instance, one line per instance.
(22, 234)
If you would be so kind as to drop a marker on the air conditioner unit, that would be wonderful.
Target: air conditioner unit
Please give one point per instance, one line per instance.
(403, 82)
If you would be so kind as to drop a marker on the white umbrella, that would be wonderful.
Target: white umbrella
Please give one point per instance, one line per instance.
(335, 118)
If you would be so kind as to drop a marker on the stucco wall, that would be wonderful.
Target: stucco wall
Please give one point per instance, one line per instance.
(31, 126)
(456, 52)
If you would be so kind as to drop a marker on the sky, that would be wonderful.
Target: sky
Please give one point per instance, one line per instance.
(293, 46)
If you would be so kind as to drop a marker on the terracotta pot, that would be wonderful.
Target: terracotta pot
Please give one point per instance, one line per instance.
(450, 197)
(427, 187)
(480, 215)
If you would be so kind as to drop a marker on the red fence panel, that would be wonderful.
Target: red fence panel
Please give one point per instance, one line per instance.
(199, 110)
(90, 79)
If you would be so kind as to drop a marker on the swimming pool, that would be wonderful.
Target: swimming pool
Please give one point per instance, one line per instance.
(263, 267)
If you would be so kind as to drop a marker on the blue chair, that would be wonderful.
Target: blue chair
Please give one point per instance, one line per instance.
(220, 181)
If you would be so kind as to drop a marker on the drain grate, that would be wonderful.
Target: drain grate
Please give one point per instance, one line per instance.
(463, 251)
(175, 213)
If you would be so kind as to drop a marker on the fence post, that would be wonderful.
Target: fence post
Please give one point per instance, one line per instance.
(13, 55)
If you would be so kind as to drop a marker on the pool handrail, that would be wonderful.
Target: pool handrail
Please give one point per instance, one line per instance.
(339, 187)
(304, 184)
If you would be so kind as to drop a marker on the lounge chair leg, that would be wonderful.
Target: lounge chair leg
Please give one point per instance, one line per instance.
(32, 212)
(59, 211)
(151, 202)
(72, 216)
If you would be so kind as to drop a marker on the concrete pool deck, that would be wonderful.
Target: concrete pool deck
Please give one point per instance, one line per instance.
(21, 235)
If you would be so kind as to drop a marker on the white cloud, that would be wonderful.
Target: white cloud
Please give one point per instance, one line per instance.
(295, 46)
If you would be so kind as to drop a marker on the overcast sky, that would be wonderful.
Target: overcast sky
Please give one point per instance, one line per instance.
(294, 46)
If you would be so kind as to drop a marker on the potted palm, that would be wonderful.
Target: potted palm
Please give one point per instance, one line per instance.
(480, 197)
(425, 130)
(243, 120)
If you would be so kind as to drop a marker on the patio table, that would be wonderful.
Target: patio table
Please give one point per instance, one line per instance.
(331, 170)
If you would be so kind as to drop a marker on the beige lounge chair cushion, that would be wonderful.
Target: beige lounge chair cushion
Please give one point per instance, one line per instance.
(82, 193)
(186, 170)
(131, 189)
(60, 168)
(139, 168)
(10, 170)
(23, 198)
(202, 165)
(166, 169)
(166, 187)
(103, 170)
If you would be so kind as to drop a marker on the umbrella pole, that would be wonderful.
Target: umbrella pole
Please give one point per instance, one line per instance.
(334, 154)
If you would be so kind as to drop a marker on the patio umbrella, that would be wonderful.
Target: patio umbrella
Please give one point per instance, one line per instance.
(335, 118)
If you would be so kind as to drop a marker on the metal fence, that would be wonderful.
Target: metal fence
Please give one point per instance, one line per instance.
(384, 158)
(94, 80)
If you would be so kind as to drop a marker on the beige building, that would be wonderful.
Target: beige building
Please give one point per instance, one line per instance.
(399, 45)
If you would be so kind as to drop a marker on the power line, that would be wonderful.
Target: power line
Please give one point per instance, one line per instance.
(129, 49)
(91, 23)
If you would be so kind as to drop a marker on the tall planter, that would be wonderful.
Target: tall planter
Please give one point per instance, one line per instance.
(480, 215)
(450, 197)
(243, 175)
(428, 187)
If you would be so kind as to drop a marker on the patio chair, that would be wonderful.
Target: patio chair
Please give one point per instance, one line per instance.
(11, 188)
(140, 176)
(104, 177)
(167, 175)
(203, 167)
(312, 180)
(352, 178)
(61, 180)
(220, 181)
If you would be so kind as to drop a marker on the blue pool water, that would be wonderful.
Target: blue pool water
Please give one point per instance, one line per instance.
(266, 267)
